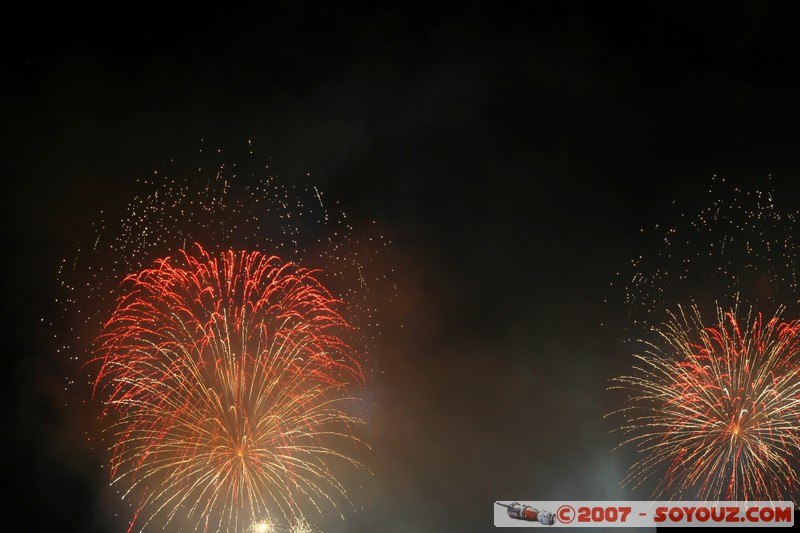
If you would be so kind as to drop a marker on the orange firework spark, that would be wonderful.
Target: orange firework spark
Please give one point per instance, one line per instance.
(225, 380)
(715, 411)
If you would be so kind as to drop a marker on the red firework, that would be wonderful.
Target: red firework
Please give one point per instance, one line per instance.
(225, 380)
(715, 410)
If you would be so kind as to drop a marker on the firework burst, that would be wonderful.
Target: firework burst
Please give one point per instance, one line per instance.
(714, 411)
(225, 381)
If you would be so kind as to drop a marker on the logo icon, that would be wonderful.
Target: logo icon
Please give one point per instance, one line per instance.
(528, 513)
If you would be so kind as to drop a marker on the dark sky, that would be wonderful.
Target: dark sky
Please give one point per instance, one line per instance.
(511, 156)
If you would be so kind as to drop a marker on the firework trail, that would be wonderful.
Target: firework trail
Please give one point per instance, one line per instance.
(714, 411)
(742, 247)
(225, 381)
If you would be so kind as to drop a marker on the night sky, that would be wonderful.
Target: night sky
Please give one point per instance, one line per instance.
(512, 157)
